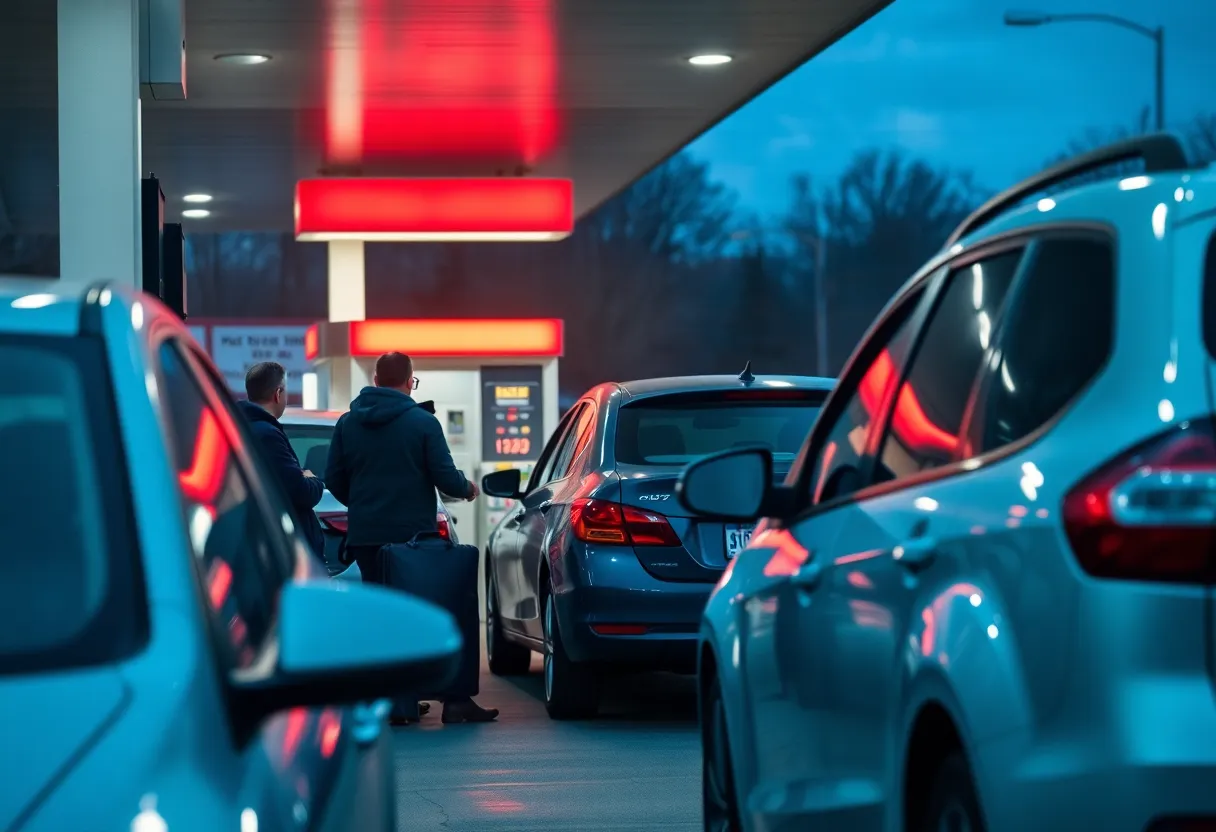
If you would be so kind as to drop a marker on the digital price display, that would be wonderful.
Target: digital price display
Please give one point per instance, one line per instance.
(511, 421)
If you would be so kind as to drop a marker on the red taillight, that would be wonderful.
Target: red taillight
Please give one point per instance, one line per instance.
(334, 521)
(1151, 514)
(445, 528)
(599, 521)
(619, 629)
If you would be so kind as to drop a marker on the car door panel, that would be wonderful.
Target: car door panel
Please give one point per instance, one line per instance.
(545, 509)
(311, 754)
(518, 595)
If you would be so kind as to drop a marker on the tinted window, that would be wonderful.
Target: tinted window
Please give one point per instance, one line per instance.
(927, 414)
(1209, 297)
(1058, 335)
(71, 592)
(234, 546)
(311, 444)
(576, 443)
(544, 466)
(837, 467)
(674, 430)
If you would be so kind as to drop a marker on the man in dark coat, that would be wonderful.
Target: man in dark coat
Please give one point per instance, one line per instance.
(387, 458)
(266, 387)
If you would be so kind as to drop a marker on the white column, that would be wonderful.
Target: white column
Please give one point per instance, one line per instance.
(347, 302)
(99, 140)
(347, 299)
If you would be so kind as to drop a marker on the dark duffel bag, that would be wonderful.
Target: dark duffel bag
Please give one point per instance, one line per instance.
(444, 574)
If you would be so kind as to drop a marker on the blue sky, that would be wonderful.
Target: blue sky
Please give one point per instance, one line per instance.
(947, 81)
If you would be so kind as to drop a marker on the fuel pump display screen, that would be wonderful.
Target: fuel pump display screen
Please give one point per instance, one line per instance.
(511, 418)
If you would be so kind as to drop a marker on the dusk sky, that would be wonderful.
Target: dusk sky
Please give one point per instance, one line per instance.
(947, 81)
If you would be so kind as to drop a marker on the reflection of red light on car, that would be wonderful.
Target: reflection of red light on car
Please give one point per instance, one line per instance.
(788, 554)
(219, 583)
(908, 419)
(201, 482)
(331, 731)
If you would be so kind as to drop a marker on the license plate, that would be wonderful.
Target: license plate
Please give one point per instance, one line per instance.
(737, 538)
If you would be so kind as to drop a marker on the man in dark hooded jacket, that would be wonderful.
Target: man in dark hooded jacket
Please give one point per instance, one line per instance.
(266, 387)
(387, 457)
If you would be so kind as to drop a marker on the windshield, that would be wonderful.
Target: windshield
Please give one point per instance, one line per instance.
(664, 431)
(70, 591)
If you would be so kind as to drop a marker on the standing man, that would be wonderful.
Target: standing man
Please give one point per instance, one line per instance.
(266, 387)
(387, 457)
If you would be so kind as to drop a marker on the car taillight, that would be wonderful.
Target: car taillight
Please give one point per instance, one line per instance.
(445, 528)
(599, 521)
(335, 521)
(1150, 514)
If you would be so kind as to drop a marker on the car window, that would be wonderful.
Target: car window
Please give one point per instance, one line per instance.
(676, 429)
(1058, 335)
(311, 444)
(926, 417)
(234, 545)
(837, 468)
(575, 442)
(71, 591)
(544, 466)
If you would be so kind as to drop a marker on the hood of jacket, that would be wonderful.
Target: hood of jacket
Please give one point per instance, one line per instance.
(376, 406)
(257, 413)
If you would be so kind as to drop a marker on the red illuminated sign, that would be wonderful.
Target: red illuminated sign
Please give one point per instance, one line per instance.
(518, 338)
(493, 209)
(312, 343)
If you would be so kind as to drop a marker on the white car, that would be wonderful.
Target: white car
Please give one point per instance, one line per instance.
(310, 433)
(983, 599)
(172, 655)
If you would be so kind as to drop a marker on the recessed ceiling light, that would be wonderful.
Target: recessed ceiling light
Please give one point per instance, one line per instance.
(196, 213)
(243, 58)
(710, 60)
(197, 198)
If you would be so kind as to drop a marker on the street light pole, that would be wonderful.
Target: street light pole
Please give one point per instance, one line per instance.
(1157, 36)
(1159, 39)
(821, 310)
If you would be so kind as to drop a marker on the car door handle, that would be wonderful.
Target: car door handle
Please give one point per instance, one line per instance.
(808, 576)
(915, 554)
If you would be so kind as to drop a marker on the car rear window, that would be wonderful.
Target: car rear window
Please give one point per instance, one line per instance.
(673, 430)
(72, 591)
(311, 444)
(1209, 297)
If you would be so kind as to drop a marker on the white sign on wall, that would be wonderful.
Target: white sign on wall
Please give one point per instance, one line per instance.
(235, 349)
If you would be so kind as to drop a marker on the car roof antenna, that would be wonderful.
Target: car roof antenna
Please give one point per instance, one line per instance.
(746, 376)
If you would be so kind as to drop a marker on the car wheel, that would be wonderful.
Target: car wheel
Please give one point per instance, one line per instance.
(504, 657)
(719, 808)
(953, 803)
(570, 688)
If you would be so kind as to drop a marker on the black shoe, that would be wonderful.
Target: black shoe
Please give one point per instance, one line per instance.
(467, 711)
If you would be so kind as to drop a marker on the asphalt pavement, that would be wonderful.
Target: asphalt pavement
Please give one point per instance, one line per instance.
(637, 767)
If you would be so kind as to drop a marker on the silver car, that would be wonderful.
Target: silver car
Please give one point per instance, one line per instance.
(310, 432)
(164, 631)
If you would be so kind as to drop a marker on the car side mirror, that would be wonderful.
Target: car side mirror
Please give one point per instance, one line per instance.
(736, 484)
(505, 484)
(323, 659)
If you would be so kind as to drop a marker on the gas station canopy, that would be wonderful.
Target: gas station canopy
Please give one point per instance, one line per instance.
(596, 91)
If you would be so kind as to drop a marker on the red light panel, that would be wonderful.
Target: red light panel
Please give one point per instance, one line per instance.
(505, 338)
(412, 210)
(312, 343)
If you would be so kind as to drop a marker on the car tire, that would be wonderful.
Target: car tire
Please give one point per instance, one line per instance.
(570, 688)
(504, 658)
(719, 804)
(953, 802)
